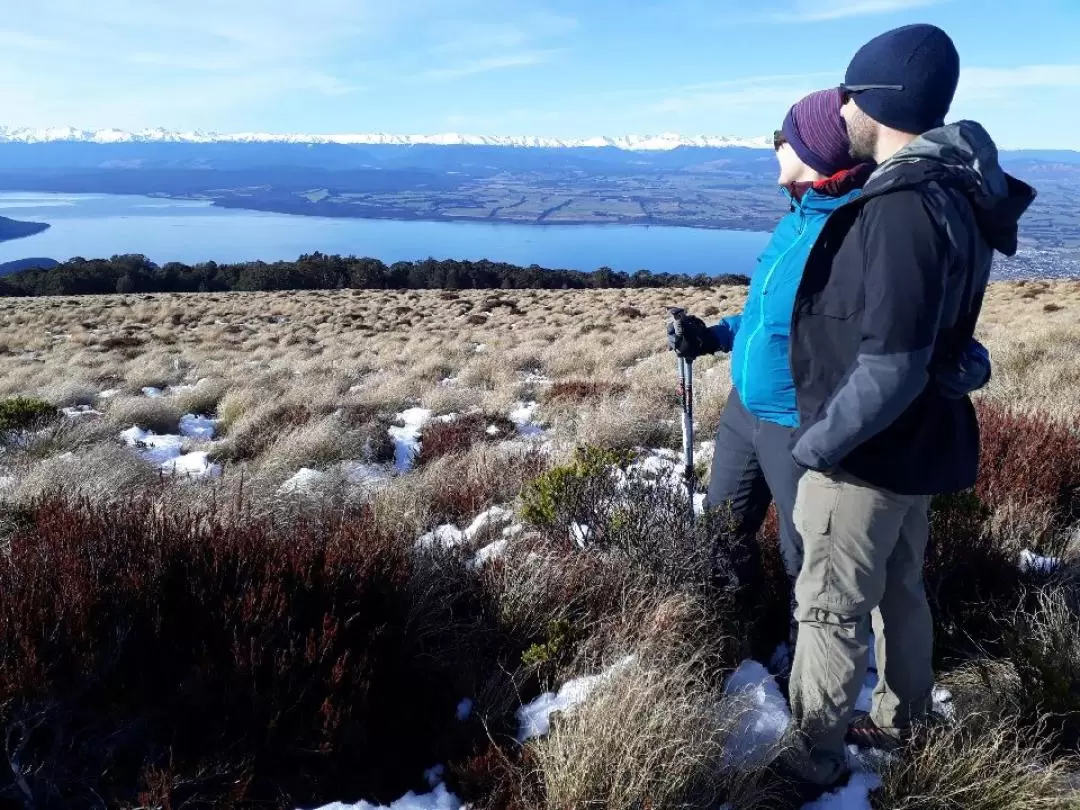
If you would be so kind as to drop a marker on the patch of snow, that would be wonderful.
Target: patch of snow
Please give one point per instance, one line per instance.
(492, 551)
(855, 795)
(448, 536)
(439, 799)
(153, 392)
(494, 515)
(155, 448)
(1032, 562)
(198, 427)
(303, 482)
(523, 416)
(513, 530)
(699, 503)
(493, 431)
(534, 720)
(580, 534)
(448, 381)
(365, 474)
(464, 710)
(81, 410)
(764, 719)
(480, 348)
(193, 465)
(109, 393)
(407, 436)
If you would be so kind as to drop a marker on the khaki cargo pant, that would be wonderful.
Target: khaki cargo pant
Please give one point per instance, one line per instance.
(864, 552)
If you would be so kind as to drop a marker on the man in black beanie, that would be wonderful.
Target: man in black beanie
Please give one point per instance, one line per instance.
(890, 295)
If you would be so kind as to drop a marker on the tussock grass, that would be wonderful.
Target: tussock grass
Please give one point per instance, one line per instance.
(159, 414)
(979, 764)
(315, 444)
(204, 398)
(101, 473)
(651, 735)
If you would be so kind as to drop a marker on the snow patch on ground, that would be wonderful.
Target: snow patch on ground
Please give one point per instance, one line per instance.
(855, 795)
(166, 451)
(524, 418)
(193, 465)
(81, 410)
(155, 448)
(153, 392)
(764, 719)
(304, 482)
(534, 720)
(407, 437)
(198, 427)
(1032, 562)
(109, 393)
(492, 551)
(450, 536)
(438, 799)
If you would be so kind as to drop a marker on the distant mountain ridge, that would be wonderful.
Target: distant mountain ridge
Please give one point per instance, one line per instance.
(632, 143)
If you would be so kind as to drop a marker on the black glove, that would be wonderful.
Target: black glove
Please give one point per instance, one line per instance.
(970, 372)
(690, 337)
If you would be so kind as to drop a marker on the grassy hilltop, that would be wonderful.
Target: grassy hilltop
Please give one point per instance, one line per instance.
(282, 549)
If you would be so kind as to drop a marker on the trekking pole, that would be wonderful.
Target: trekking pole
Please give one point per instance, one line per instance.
(686, 395)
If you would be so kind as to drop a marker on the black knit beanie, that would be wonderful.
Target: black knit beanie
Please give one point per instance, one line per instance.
(921, 58)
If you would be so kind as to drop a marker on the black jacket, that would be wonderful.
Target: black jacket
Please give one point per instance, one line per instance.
(891, 291)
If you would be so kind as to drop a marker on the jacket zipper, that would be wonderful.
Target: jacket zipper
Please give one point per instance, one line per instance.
(765, 287)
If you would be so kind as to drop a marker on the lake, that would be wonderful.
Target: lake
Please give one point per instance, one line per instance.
(190, 231)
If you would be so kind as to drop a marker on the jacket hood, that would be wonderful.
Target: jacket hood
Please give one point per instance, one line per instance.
(963, 155)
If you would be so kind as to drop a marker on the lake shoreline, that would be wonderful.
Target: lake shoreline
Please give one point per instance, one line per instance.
(194, 229)
(757, 225)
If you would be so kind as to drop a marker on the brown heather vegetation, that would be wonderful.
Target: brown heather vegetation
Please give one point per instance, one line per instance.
(171, 643)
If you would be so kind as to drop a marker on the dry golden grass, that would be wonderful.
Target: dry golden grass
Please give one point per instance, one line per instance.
(270, 363)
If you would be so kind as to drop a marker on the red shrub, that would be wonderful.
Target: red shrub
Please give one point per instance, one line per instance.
(442, 438)
(222, 658)
(1030, 460)
(577, 391)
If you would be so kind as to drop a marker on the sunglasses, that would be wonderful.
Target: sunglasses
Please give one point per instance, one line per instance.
(778, 139)
(849, 90)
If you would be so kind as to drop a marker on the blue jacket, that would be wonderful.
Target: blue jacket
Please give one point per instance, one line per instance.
(758, 338)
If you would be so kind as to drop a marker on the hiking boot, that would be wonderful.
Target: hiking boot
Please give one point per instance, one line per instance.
(865, 733)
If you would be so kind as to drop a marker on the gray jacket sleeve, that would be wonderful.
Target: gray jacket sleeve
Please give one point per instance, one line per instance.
(908, 256)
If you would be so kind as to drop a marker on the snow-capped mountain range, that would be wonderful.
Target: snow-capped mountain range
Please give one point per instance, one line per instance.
(633, 143)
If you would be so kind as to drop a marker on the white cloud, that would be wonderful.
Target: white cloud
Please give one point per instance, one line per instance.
(489, 64)
(772, 91)
(132, 63)
(467, 36)
(983, 82)
(821, 10)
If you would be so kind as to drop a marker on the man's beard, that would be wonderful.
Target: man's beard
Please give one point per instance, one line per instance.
(863, 136)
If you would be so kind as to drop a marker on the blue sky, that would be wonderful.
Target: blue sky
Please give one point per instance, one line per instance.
(562, 68)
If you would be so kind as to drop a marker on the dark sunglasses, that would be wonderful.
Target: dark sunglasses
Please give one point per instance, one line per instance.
(849, 90)
(778, 139)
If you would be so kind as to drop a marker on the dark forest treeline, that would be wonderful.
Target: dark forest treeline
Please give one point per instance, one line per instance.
(137, 274)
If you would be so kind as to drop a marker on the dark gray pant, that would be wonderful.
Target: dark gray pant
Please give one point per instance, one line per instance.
(751, 468)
